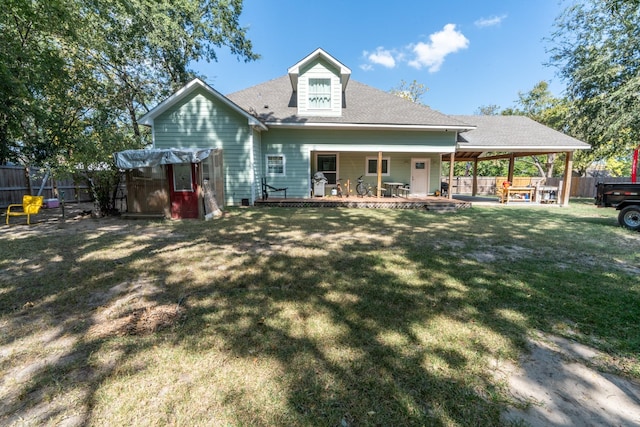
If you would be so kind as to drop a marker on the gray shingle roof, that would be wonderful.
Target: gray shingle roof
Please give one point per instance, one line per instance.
(506, 133)
(274, 102)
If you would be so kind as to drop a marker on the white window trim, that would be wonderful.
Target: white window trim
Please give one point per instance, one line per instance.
(329, 153)
(284, 164)
(329, 93)
(366, 166)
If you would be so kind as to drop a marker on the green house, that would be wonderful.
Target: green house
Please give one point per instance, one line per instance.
(316, 119)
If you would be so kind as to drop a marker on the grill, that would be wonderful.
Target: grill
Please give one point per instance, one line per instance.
(319, 181)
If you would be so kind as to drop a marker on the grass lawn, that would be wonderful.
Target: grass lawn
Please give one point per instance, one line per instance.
(332, 317)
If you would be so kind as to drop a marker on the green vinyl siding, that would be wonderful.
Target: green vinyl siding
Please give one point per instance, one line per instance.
(300, 145)
(351, 165)
(296, 176)
(203, 121)
(362, 138)
(257, 166)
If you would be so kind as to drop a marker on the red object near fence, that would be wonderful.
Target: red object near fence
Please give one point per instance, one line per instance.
(634, 166)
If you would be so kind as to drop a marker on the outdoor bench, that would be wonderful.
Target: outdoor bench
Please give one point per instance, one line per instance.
(30, 206)
(266, 189)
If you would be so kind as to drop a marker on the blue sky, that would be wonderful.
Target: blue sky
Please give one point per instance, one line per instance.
(467, 53)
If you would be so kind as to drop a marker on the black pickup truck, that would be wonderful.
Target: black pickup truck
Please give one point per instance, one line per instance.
(623, 196)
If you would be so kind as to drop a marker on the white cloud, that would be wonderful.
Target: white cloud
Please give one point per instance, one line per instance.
(490, 22)
(441, 44)
(382, 57)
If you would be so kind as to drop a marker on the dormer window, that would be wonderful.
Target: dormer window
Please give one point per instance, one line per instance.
(319, 82)
(319, 93)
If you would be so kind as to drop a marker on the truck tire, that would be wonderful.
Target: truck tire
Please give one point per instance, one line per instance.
(630, 217)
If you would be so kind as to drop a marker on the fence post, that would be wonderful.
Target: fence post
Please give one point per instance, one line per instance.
(27, 178)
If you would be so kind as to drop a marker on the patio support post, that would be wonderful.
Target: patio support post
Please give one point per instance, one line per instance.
(512, 162)
(452, 160)
(566, 185)
(379, 172)
(474, 185)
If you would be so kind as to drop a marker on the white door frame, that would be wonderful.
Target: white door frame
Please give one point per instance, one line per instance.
(423, 188)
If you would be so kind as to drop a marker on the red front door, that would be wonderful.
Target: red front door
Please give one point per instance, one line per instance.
(183, 184)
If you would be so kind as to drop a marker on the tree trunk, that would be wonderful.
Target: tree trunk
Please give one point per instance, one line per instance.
(549, 166)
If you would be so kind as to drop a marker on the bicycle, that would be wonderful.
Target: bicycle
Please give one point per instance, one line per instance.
(363, 189)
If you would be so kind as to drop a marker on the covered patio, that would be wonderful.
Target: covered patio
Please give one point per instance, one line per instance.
(509, 138)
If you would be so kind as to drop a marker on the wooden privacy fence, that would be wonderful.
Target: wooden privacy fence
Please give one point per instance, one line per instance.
(16, 181)
(580, 186)
(487, 185)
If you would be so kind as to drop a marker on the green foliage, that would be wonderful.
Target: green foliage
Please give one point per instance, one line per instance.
(488, 110)
(486, 168)
(619, 167)
(596, 50)
(76, 75)
(33, 71)
(535, 104)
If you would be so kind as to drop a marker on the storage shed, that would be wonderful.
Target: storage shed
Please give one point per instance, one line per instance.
(173, 183)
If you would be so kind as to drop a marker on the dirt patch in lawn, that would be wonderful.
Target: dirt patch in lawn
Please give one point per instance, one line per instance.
(129, 311)
(558, 383)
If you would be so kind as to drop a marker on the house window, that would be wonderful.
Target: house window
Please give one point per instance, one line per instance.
(275, 164)
(319, 93)
(328, 165)
(372, 166)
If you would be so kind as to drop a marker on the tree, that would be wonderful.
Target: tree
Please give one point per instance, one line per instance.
(488, 110)
(76, 75)
(410, 91)
(540, 105)
(33, 70)
(596, 51)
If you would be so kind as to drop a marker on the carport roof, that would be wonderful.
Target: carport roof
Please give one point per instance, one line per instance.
(517, 135)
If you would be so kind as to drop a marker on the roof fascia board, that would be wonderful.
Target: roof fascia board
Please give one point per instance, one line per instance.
(148, 118)
(365, 126)
(525, 149)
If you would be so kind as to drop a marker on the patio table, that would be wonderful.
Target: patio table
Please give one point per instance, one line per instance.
(393, 187)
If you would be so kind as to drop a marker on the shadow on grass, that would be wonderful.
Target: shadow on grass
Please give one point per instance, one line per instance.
(316, 316)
